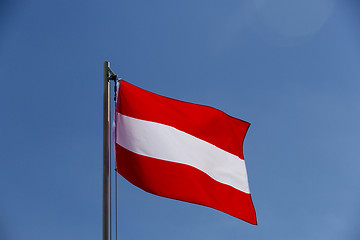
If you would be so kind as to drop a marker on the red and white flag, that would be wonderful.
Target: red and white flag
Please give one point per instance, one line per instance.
(182, 150)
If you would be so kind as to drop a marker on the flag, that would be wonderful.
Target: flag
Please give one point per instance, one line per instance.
(181, 150)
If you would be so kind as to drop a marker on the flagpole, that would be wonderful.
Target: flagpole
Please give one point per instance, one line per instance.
(106, 116)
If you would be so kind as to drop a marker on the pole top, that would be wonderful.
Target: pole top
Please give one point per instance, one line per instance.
(108, 71)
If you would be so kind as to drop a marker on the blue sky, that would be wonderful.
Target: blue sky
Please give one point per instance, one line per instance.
(290, 68)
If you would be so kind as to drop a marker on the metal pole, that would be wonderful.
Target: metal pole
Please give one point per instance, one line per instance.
(106, 116)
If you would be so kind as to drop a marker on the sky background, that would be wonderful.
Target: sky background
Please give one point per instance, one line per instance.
(290, 68)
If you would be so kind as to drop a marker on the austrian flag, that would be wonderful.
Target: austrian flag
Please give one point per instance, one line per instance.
(182, 150)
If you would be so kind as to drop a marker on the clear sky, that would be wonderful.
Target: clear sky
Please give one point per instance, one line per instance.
(291, 68)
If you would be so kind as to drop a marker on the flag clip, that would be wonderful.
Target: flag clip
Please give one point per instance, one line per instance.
(113, 77)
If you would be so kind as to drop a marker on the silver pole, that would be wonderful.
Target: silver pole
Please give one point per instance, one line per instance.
(106, 117)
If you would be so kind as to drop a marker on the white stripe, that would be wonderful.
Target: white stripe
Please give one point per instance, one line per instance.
(168, 143)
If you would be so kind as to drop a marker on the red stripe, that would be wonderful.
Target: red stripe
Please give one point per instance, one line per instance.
(206, 123)
(183, 182)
